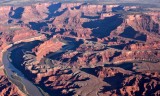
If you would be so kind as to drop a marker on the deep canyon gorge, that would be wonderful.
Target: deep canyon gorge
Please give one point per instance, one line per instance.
(79, 49)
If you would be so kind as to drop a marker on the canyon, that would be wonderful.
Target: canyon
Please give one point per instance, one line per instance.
(79, 49)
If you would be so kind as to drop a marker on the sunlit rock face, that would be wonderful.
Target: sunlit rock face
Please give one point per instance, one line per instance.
(9, 89)
(82, 49)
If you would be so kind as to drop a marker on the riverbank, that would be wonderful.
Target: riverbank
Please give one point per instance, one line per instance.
(25, 85)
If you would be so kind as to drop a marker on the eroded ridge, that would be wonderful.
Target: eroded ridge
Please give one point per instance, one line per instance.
(81, 49)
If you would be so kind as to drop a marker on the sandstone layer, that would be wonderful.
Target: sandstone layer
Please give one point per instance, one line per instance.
(87, 49)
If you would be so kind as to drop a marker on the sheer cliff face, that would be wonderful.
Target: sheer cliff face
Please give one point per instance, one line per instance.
(51, 45)
(148, 23)
(88, 49)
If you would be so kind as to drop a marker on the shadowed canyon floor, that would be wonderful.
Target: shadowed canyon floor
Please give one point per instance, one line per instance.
(79, 49)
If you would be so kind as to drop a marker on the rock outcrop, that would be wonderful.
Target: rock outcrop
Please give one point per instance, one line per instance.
(108, 45)
(144, 84)
(52, 45)
(8, 88)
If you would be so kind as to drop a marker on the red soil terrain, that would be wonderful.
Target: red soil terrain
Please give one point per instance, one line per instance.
(130, 84)
(8, 89)
(89, 50)
(51, 45)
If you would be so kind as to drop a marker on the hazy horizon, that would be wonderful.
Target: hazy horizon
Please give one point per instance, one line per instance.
(17, 2)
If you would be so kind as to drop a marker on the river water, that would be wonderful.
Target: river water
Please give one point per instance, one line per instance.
(31, 89)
